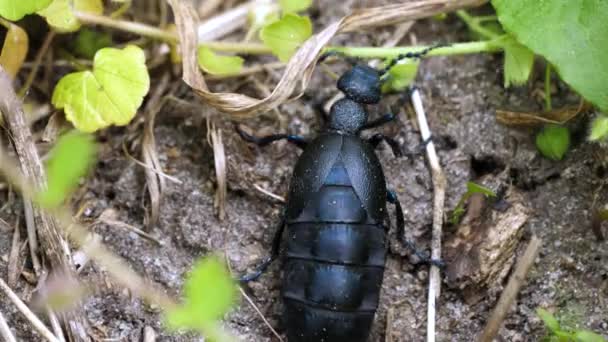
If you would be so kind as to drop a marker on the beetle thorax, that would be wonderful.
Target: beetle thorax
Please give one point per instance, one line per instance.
(347, 116)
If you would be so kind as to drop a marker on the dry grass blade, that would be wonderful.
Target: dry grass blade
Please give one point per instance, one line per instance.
(557, 116)
(4, 226)
(155, 183)
(53, 245)
(302, 63)
(36, 322)
(5, 331)
(214, 137)
(13, 259)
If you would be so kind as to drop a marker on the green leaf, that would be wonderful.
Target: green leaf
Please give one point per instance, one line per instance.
(553, 141)
(571, 35)
(217, 64)
(60, 14)
(17, 9)
(110, 94)
(549, 320)
(209, 293)
(69, 160)
(474, 188)
(599, 128)
(88, 42)
(518, 62)
(284, 36)
(588, 336)
(401, 76)
(292, 6)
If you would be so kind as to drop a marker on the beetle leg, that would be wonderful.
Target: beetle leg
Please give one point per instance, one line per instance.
(274, 253)
(392, 198)
(379, 121)
(263, 141)
(375, 140)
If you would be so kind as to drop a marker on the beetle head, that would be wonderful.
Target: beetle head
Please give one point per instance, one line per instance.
(361, 84)
(347, 115)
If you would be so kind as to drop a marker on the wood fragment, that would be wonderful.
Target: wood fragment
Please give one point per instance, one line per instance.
(55, 248)
(13, 259)
(29, 315)
(439, 188)
(507, 297)
(149, 334)
(5, 331)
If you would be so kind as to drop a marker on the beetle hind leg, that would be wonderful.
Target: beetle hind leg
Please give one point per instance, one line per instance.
(392, 198)
(263, 141)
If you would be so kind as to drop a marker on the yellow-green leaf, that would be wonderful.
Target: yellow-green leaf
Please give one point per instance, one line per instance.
(69, 160)
(401, 76)
(518, 62)
(599, 128)
(209, 293)
(292, 6)
(217, 64)
(17, 9)
(284, 36)
(548, 318)
(110, 94)
(60, 15)
(14, 49)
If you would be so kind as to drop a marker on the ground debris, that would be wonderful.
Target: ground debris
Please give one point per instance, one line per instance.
(481, 253)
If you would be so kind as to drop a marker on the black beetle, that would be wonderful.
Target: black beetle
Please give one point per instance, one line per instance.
(337, 219)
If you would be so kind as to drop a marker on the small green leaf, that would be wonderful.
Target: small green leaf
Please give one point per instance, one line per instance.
(571, 35)
(88, 42)
(518, 62)
(553, 141)
(292, 6)
(110, 94)
(217, 64)
(400, 76)
(549, 320)
(284, 36)
(17, 9)
(599, 128)
(209, 293)
(60, 13)
(588, 336)
(474, 188)
(69, 160)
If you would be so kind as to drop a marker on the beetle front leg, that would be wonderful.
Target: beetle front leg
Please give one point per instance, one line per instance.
(392, 198)
(274, 253)
(375, 140)
(263, 141)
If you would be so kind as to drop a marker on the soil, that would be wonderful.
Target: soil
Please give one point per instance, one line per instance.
(461, 95)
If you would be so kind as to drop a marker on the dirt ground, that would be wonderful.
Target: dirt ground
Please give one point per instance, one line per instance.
(461, 95)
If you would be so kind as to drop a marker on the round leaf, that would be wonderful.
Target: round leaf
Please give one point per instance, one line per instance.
(209, 293)
(571, 35)
(17, 9)
(599, 128)
(14, 50)
(284, 36)
(553, 141)
(60, 13)
(401, 76)
(548, 319)
(69, 160)
(88, 42)
(110, 94)
(217, 64)
(292, 6)
(518, 62)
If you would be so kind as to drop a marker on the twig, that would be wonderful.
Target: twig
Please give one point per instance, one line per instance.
(257, 310)
(510, 292)
(37, 61)
(439, 184)
(5, 331)
(13, 258)
(36, 322)
(55, 248)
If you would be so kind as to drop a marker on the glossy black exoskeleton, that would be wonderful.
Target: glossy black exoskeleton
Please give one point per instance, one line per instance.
(337, 220)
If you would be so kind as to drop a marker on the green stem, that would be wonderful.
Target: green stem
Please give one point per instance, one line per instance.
(493, 45)
(474, 24)
(548, 87)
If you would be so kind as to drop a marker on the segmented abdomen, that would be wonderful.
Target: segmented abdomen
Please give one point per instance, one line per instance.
(334, 267)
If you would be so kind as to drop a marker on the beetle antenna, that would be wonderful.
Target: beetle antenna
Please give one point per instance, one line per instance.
(412, 55)
(351, 60)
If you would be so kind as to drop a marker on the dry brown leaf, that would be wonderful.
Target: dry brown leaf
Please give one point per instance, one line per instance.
(301, 65)
(557, 116)
(14, 50)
